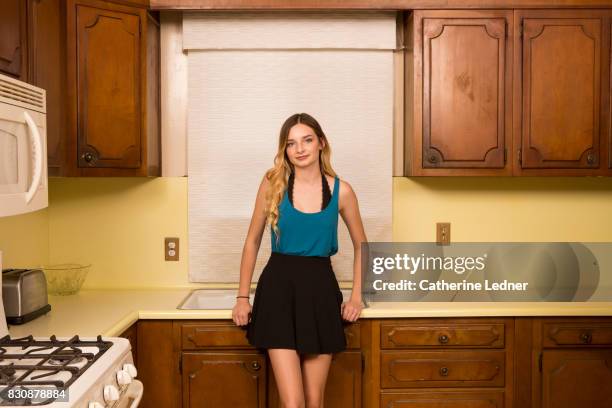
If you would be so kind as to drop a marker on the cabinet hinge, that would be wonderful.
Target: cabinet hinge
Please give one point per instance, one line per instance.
(362, 363)
(521, 29)
(520, 156)
(540, 362)
(180, 367)
(505, 155)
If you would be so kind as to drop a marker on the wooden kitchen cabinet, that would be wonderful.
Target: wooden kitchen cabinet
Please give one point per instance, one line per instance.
(111, 89)
(445, 399)
(508, 92)
(159, 364)
(571, 364)
(99, 62)
(479, 362)
(217, 349)
(561, 93)
(576, 378)
(454, 362)
(224, 379)
(13, 39)
(47, 69)
(462, 93)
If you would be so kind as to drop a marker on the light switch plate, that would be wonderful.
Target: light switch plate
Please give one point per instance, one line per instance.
(171, 248)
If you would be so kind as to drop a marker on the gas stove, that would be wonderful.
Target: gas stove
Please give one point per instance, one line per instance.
(75, 372)
(70, 372)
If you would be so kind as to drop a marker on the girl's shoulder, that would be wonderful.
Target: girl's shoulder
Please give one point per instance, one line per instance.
(346, 193)
(345, 187)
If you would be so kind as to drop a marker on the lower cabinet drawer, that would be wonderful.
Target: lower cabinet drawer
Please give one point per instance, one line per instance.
(212, 334)
(442, 399)
(406, 369)
(489, 334)
(559, 334)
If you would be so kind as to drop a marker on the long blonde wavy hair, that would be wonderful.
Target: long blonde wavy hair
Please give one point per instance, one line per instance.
(278, 176)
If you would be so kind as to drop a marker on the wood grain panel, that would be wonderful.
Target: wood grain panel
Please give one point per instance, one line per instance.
(47, 69)
(561, 91)
(442, 369)
(576, 379)
(464, 82)
(442, 399)
(461, 93)
(212, 334)
(441, 335)
(158, 364)
(13, 40)
(577, 334)
(108, 59)
(224, 379)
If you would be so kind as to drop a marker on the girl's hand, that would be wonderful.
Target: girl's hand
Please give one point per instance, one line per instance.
(351, 310)
(241, 311)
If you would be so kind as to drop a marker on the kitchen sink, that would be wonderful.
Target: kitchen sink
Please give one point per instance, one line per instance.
(219, 299)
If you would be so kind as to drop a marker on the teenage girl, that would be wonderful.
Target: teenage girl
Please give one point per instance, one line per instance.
(298, 307)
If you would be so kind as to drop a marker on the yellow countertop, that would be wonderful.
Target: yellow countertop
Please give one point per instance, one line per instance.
(110, 312)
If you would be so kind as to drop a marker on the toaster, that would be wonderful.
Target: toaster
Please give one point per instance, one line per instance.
(24, 294)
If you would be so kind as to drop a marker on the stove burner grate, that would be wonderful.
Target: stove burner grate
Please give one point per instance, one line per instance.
(61, 353)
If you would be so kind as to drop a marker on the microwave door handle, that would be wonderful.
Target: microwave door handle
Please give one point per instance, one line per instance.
(36, 142)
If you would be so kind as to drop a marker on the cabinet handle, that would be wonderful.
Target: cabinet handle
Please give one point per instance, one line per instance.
(586, 338)
(88, 157)
(255, 365)
(432, 159)
(444, 371)
(443, 339)
(590, 158)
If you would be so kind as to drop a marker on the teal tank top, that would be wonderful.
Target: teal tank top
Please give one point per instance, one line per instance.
(307, 234)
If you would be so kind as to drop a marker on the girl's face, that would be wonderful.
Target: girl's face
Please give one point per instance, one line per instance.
(303, 146)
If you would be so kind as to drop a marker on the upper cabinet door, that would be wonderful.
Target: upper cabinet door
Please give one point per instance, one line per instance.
(561, 63)
(109, 87)
(462, 92)
(13, 38)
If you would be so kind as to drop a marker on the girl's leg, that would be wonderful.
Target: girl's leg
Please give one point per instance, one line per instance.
(315, 368)
(286, 367)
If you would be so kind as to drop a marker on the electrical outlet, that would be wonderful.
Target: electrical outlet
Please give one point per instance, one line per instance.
(171, 249)
(443, 230)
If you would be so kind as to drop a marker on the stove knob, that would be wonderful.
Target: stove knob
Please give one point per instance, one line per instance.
(111, 393)
(95, 404)
(123, 378)
(130, 369)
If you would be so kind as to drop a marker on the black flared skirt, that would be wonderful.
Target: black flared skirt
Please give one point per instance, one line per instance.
(297, 306)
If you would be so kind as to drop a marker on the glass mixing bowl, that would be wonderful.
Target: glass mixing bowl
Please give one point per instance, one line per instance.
(65, 279)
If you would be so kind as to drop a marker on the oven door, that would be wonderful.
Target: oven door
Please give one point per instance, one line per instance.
(23, 160)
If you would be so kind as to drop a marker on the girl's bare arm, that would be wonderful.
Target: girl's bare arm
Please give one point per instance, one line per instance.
(253, 240)
(349, 210)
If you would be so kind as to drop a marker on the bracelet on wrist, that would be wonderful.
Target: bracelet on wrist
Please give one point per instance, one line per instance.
(242, 297)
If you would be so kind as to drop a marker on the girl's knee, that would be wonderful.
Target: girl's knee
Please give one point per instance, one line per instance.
(293, 403)
(314, 400)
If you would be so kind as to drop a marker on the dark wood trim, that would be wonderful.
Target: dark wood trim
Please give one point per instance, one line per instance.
(523, 339)
(369, 4)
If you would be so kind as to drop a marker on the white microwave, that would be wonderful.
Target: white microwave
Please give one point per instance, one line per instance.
(23, 147)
